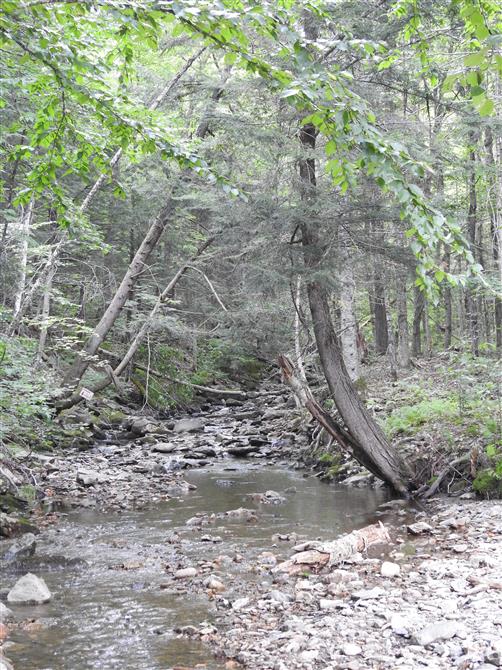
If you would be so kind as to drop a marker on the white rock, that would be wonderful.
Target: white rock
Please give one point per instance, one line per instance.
(185, 573)
(5, 613)
(441, 630)
(399, 625)
(351, 649)
(29, 589)
(330, 604)
(240, 603)
(390, 569)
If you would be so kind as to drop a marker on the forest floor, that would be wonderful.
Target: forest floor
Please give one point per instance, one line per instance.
(438, 604)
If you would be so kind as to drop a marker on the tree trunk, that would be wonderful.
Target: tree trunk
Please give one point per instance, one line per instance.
(140, 335)
(348, 321)
(81, 363)
(418, 308)
(380, 333)
(403, 335)
(45, 313)
(471, 301)
(375, 449)
(26, 220)
(55, 253)
(495, 210)
(448, 311)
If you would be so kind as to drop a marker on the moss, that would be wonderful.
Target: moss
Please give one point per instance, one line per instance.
(488, 483)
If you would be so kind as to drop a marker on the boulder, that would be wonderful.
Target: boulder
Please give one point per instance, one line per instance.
(88, 477)
(29, 589)
(164, 447)
(24, 547)
(5, 613)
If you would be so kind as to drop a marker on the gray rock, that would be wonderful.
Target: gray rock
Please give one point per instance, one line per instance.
(280, 597)
(351, 649)
(185, 573)
(441, 630)
(419, 528)
(29, 589)
(5, 664)
(368, 594)
(164, 447)
(88, 477)
(188, 425)
(24, 547)
(5, 613)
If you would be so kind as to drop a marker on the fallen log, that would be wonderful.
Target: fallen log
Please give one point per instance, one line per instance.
(316, 555)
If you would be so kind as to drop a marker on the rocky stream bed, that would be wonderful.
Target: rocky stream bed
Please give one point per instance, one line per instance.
(162, 543)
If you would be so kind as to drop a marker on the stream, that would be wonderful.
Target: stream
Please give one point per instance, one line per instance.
(116, 603)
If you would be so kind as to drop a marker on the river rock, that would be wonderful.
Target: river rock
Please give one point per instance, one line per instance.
(280, 597)
(368, 594)
(88, 477)
(188, 425)
(22, 548)
(5, 613)
(419, 528)
(390, 569)
(214, 584)
(351, 649)
(185, 573)
(5, 664)
(29, 589)
(164, 447)
(441, 630)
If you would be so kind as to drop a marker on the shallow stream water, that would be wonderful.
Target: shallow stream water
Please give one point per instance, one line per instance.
(115, 604)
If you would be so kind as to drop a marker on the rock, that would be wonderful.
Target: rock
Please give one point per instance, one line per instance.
(188, 425)
(5, 613)
(268, 498)
(280, 597)
(22, 548)
(243, 450)
(29, 589)
(164, 447)
(441, 630)
(367, 594)
(419, 528)
(142, 425)
(5, 664)
(399, 625)
(240, 603)
(214, 584)
(185, 573)
(88, 477)
(351, 649)
(330, 604)
(390, 569)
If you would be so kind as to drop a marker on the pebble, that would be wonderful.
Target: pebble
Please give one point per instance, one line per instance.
(441, 630)
(351, 649)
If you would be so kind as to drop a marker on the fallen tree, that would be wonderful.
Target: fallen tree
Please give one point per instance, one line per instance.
(317, 555)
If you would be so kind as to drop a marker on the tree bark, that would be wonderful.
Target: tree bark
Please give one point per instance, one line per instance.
(495, 210)
(403, 335)
(418, 308)
(26, 220)
(364, 431)
(348, 321)
(471, 302)
(380, 333)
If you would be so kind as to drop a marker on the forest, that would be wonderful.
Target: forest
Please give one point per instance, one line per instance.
(250, 334)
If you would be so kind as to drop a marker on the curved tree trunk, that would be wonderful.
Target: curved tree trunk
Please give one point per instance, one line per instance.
(377, 454)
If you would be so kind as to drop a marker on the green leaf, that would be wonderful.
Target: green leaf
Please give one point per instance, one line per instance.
(472, 60)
